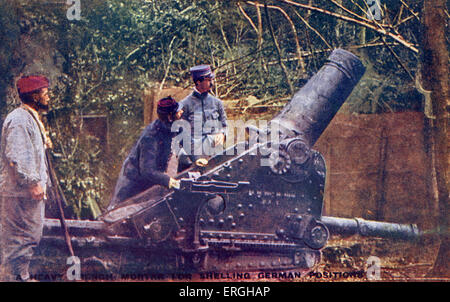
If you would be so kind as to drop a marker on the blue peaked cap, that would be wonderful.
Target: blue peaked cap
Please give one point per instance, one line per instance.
(201, 71)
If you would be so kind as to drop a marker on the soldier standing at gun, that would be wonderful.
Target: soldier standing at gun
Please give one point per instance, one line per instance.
(147, 162)
(24, 178)
(207, 119)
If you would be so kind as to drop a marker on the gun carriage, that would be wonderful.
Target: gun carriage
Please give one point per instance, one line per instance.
(258, 209)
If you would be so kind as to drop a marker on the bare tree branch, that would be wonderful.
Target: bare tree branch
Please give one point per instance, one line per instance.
(277, 46)
(349, 11)
(294, 31)
(416, 15)
(313, 29)
(166, 71)
(248, 18)
(371, 25)
(397, 58)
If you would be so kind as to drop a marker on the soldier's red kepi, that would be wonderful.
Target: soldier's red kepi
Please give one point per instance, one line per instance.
(31, 83)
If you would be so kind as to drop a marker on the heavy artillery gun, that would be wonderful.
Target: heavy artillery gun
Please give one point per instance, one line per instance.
(257, 206)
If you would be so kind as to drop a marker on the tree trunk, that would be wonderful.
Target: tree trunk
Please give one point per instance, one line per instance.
(435, 79)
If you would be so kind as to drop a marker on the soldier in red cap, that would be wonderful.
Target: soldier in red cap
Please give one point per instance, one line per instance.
(207, 118)
(23, 178)
(148, 160)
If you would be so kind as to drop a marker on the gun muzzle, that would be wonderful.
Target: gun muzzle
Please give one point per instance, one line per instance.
(313, 107)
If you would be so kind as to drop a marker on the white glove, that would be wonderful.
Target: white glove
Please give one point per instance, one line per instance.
(201, 162)
(174, 183)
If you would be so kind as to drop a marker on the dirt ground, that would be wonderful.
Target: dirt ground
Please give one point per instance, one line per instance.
(399, 260)
(346, 260)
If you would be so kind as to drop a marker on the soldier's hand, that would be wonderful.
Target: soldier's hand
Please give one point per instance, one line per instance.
(201, 162)
(219, 139)
(174, 183)
(36, 192)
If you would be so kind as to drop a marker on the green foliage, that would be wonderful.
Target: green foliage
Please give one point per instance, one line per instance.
(80, 179)
(9, 33)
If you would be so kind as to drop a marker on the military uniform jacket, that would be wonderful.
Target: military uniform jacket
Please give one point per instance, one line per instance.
(206, 116)
(207, 108)
(22, 164)
(146, 163)
(23, 161)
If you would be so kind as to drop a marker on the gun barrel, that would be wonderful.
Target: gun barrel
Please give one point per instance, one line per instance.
(75, 227)
(353, 226)
(313, 107)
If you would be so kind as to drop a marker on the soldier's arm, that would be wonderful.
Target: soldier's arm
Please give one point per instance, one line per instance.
(148, 162)
(184, 106)
(20, 153)
(223, 117)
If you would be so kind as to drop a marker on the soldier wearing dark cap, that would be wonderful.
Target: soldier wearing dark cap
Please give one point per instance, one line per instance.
(148, 160)
(201, 108)
(23, 178)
